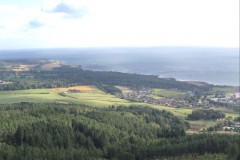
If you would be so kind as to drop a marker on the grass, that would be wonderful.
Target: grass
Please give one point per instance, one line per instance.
(92, 96)
(51, 65)
(167, 93)
(201, 124)
(195, 126)
(227, 112)
(97, 99)
(89, 95)
(35, 95)
(124, 89)
(224, 89)
(155, 97)
(80, 88)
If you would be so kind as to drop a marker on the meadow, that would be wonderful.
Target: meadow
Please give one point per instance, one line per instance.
(225, 89)
(167, 93)
(92, 96)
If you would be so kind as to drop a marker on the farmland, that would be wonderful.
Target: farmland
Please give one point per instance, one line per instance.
(64, 110)
(167, 93)
(225, 89)
(92, 96)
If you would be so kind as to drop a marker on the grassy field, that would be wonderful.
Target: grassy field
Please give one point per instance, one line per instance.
(124, 89)
(90, 95)
(222, 89)
(167, 93)
(35, 95)
(80, 88)
(201, 124)
(51, 65)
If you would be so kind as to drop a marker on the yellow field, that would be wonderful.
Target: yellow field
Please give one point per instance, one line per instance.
(21, 68)
(51, 65)
(80, 88)
(92, 96)
(124, 89)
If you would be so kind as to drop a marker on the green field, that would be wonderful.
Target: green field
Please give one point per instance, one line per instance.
(96, 97)
(167, 93)
(222, 89)
(48, 96)
(34, 95)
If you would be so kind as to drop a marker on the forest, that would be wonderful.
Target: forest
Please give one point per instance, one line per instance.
(206, 115)
(59, 131)
(66, 76)
(54, 128)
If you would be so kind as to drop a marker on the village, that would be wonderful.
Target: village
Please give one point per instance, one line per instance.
(233, 127)
(207, 100)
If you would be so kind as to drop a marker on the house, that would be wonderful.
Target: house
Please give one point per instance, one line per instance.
(237, 95)
(214, 99)
(228, 128)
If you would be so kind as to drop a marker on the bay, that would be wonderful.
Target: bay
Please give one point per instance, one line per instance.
(211, 65)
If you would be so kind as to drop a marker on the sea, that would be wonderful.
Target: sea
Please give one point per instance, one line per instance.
(218, 66)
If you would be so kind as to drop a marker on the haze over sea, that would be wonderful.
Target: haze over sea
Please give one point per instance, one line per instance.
(211, 65)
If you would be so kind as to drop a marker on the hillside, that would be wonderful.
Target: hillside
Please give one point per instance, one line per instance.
(57, 131)
(54, 111)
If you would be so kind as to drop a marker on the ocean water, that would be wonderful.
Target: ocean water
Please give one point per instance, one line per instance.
(212, 65)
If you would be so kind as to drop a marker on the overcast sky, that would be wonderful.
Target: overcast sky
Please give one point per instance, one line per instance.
(118, 23)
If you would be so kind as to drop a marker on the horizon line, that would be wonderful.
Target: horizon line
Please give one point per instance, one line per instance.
(119, 47)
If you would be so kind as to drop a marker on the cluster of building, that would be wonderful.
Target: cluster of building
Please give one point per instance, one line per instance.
(234, 127)
(142, 95)
(69, 91)
(145, 95)
(225, 98)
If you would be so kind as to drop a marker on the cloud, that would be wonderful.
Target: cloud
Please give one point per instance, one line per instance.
(90, 23)
(35, 24)
(63, 8)
(68, 10)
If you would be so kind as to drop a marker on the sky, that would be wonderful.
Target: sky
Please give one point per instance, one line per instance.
(118, 23)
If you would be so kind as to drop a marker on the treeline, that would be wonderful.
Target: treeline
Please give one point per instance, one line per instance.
(198, 157)
(57, 131)
(206, 115)
(67, 76)
(231, 106)
(26, 61)
(229, 121)
(109, 89)
(237, 119)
